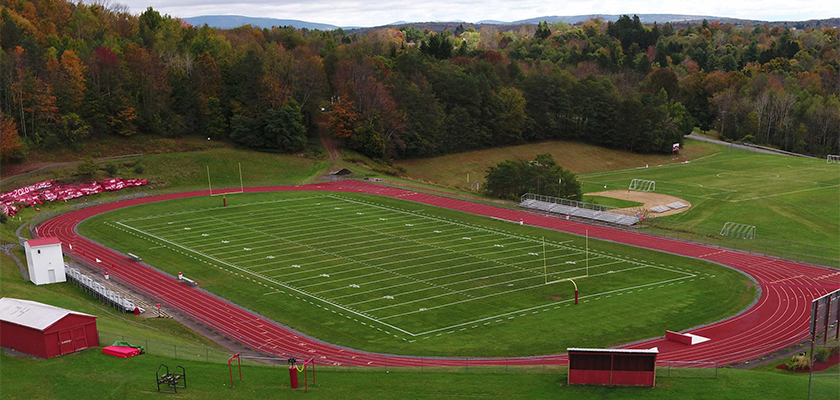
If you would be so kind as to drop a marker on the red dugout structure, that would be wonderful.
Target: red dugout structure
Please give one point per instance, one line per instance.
(610, 367)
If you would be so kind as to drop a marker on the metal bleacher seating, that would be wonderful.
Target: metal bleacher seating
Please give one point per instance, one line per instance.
(660, 209)
(580, 212)
(677, 205)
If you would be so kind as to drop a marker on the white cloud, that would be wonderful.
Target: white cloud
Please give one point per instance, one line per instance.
(380, 12)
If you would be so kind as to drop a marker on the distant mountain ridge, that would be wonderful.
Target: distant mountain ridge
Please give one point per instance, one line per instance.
(644, 18)
(234, 21)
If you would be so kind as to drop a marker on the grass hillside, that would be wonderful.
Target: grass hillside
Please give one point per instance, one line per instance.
(451, 170)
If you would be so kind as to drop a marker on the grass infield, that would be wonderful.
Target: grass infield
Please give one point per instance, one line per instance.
(392, 276)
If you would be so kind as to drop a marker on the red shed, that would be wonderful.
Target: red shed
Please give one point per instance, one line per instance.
(621, 367)
(43, 330)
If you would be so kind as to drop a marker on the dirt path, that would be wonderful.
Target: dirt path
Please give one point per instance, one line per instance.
(326, 138)
(648, 199)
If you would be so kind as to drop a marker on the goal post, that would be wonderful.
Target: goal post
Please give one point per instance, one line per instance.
(833, 159)
(572, 279)
(642, 185)
(222, 192)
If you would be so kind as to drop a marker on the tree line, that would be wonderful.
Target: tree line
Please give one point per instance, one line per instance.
(75, 72)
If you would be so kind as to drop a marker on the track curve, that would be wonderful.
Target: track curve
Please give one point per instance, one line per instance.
(778, 319)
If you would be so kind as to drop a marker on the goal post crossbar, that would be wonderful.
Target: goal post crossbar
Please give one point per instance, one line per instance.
(572, 279)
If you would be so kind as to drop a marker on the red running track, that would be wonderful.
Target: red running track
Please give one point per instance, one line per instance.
(778, 319)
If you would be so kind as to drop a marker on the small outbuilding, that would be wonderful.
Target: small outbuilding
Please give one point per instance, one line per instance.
(45, 260)
(612, 367)
(43, 330)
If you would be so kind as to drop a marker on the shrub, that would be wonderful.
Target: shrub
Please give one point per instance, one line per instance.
(3, 218)
(111, 169)
(87, 167)
(315, 154)
(139, 168)
(798, 362)
(821, 354)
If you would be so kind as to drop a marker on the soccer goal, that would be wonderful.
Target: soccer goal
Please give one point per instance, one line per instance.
(642, 185)
(736, 230)
(832, 159)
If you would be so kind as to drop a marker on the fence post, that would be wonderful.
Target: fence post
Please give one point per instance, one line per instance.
(348, 363)
(543, 362)
(207, 354)
(506, 365)
(386, 364)
(716, 369)
(669, 369)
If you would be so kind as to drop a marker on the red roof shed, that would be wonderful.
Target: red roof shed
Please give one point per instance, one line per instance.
(621, 367)
(43, 330)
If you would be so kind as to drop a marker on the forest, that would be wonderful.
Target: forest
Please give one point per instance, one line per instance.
(74, 72)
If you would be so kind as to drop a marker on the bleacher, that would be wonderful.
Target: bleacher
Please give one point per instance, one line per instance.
(677, 205)
(580, 212)
(660, 209)
(99, 290)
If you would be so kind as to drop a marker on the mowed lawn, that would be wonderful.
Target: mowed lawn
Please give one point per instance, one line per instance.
(93, 375)
(393, 276)
(793, 202)
(452, 170)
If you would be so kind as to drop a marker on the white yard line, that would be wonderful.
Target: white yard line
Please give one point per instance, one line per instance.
(354, 312)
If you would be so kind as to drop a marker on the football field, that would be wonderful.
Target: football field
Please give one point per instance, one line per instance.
(398, 271)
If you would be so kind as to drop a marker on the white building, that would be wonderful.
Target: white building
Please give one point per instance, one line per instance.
(45, 260)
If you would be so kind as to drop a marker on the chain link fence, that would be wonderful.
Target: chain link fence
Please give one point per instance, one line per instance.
(380, 363)
(787, 249)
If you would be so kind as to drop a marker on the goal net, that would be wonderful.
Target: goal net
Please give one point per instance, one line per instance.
(642, 185)
(736, 230)
(832, 158)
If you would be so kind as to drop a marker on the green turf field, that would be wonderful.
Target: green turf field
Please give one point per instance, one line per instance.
(388, 275)
(793, 202)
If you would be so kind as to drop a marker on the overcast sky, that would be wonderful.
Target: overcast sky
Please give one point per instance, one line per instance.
(381, 12)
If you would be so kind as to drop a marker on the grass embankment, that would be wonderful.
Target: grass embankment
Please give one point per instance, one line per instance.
(451, 170)
(174, 172)
(599, 321)
(793, 202)
(92, 375)
(69, 296)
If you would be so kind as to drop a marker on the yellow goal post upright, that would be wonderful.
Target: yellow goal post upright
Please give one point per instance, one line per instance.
(225, 192)
(572, 279)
